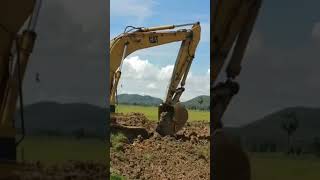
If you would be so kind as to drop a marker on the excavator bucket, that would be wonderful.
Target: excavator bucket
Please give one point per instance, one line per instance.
(171, 119)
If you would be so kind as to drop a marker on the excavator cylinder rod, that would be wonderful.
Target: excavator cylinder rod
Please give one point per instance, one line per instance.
(190, 24)
(167, 27)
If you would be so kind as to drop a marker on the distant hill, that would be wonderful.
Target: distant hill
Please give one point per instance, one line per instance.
(268, 128)
(56, 118)
(51, 117)
(135, 99)
(200, 102)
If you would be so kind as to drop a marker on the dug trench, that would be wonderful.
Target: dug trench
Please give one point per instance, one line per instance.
(139, 152)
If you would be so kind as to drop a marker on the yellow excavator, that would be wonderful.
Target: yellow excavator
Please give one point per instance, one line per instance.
(172, 115)
(232, 24)
(15, 50)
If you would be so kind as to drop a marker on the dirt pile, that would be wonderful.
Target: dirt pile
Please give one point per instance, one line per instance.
(183, 156)
(132, 125)
(134, 119)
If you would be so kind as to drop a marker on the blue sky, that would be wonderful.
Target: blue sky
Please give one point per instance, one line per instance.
(154, 13)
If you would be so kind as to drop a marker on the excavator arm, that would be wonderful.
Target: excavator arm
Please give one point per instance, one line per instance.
(232, 27)
(141, 38)
(15, 50)
(232, 24)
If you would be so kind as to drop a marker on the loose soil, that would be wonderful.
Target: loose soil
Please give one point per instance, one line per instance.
(150, 156)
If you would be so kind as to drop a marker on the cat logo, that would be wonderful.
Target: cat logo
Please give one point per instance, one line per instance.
(153, 39)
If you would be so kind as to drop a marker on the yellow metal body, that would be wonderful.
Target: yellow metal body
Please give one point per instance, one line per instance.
(13, 16)
(232, 27)
(127, 43)
(232, 24)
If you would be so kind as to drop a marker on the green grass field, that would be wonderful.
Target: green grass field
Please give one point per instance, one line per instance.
(280, 167)
(151, 112)
(58, 149)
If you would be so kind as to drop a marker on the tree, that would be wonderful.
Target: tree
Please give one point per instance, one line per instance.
(290, 125)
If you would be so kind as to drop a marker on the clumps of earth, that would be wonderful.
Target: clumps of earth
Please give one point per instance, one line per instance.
(147, 155)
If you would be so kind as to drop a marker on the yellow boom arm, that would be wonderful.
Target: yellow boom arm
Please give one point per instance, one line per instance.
(127, 43)
(13, 15)
(232, 24)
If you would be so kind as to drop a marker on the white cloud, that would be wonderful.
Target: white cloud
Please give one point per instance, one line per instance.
(165, 72)
(152, 86)
(316, 31)
(139, 9)
(142, 77)
(138, 69)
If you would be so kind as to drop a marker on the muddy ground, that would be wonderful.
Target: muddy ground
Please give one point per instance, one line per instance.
(150, 156)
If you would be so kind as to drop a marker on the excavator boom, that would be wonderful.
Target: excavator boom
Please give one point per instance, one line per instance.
(141, 38)
(15, 50)
(232, 24)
